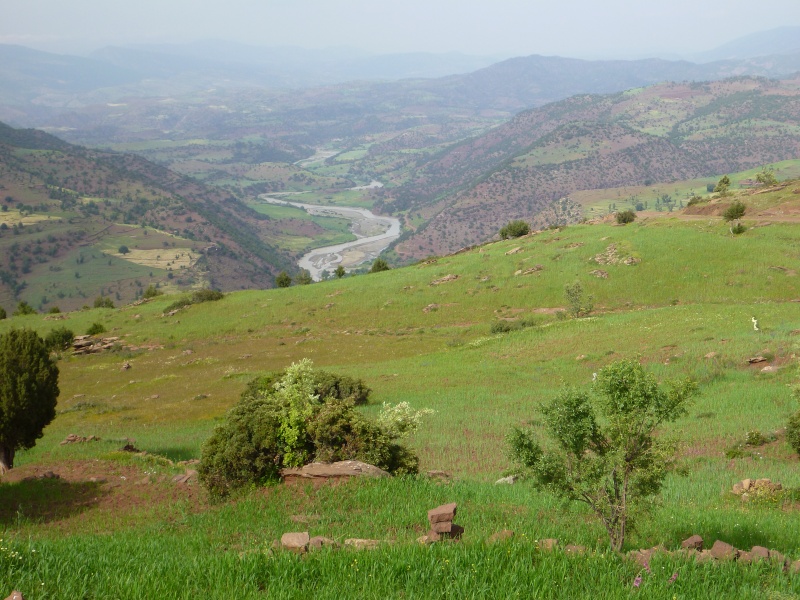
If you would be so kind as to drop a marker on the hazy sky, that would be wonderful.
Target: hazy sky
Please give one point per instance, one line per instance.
(583, 28)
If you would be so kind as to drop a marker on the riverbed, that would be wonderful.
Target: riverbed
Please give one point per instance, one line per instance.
(374, 234)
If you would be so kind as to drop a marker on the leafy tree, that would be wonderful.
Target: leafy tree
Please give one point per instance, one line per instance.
(23, 309)
(103, 302)
(514, 229)
(59, 339)
(283, 280)
(767, 177)
(28, 392)
(734, 212)
(123, 249)
(3, 314)
(579, 305)
(95, 329)
(152, 292)
(723, 185)
(303, 278)
(626, 216)
(606, 454)
(340, 272)
(54, 310)
(379, 265)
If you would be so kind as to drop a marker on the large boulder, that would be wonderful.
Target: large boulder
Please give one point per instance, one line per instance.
(442, 514)
(296, 542)
(338, 470)
(724, 551)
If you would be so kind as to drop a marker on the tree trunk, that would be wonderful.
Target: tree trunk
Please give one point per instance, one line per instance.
(6, 459)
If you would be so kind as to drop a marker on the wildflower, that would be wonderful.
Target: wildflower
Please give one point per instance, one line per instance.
(638, 581)
(673, 578)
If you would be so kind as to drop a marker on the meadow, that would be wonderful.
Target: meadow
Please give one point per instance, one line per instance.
(683, 306)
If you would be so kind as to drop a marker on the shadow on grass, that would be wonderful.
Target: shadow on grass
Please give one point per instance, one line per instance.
(175, 453)
(45, 500)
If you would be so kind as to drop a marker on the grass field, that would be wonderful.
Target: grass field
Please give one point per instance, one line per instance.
(684, 309)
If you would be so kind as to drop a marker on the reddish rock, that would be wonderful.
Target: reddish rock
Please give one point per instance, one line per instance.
(15, 595)
(778, 558)
(425, 540)
(723, 551)
(443, 527)
(693, 543)
(501, 536)
(759, 553)
(433, 536)
(295, 542)
(186, 478)
(443, 513)
(747, 557)
(317, 542)
(704, 556)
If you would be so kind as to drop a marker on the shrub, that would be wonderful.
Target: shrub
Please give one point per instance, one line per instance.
(694, 200)
(379, 265)
(59, 339)
(207, 295)
(626, 216)
(178, 304)
(580, 305)
(283, 280)
(24, 309)
(767, 176)
(3, 314)
(793, 432)
(734, 212)
(103, 302)
(723, 185)
(283, 421)
(95, 329)
(152, 292)
(340, 272)
(54, 310)
(123, 250)
(514, 229)
(738, 229)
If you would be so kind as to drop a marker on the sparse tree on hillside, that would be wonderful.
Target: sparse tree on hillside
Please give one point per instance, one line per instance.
(23, 309)
(123, 250)
(283, 280)
(723, 185)
(303, 278)
(767, 176)
(580, 305)
(514, 229)
(379, 265)
(28, 392)
(340, 272)
(605, 452)
(626, 216)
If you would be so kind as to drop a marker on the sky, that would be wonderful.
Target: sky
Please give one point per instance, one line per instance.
(498, 28)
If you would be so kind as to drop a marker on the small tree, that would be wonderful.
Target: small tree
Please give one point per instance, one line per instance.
(123, 249)
(514, 229)
(340, 272)
(767, 176)
(152, 292)
(723, 185)
(103, 302)
(283, 280)
(59, 339)
(95, 329)
(303, 278)
(379, 265)
(28, 392)
(579, 305)
(733, 215)
(24, 309)
(626, 216)
(606, 454)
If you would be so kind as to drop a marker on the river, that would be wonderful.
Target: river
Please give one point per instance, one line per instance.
(374, 234)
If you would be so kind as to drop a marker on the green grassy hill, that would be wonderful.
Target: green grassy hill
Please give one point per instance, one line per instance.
(676, 291)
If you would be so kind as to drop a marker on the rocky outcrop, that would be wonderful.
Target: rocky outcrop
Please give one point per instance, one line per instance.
(327, 471)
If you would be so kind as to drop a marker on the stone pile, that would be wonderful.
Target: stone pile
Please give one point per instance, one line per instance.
(442, 526)
(747, 487)
(73, 438)
(87, 344)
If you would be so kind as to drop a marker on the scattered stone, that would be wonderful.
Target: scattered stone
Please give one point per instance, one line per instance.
(337, 470)
(573, 549)
(510, 480)
(129, 447)
(359, 544)
(756, 359)
(581, 357)
(711, 355)
(514, 250)
(433, 537)
(599, 273)
(296, 542)
(425, 540)
(45, 475)
(154, 397)
(445, 279)
(318, 542)
(746, 487)
(187, 352)
(245, 356)
(186, 478)
(723, 551)
(96, 480)
(125, 366)
(443, 475)
(693, 543)
(533, 269)
(611, 257)
(430, 308)
(77, 439)
(704, 556)
(746, 558)
(759, 553)
(501, 536)
(15, 595)
(777, 557)
(548, 544)
(770, 369)
(443, 513)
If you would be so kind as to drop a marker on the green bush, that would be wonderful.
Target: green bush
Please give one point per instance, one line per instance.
(96, 329)
(283, 421)
(626, 216)
(24, 309)
(207, 296)
(103, 302)
(59, 339)
(793, 432)
(580, 305)
(738, 229)
(379, 265)
(514, 229)
(178, 304)
(152, 292)
(54, 310)
(283, 280)
(3, 314)
(734, 212)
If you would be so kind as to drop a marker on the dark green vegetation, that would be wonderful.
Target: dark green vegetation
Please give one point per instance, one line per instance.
(678, 296)
(625, 216)
(606, 454)
(514, 229)
(28, 392)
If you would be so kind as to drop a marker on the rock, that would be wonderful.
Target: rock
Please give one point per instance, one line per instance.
(188, 463)
(704, 556)
(514, 250)
(430, 308)
(501, 536)
(693, 543)
(443, 475)
(317, 542)
(359, 544)
(723, 551)
(15, 595)
(778, 558)
(548, 544)
(510, 480)
(737, 489)
(443, 527)
(337, 470)
(711, 355)
(573, 549)
(759, 553)
(599, 273)
(794, 569)
(77, 439)
(433, 536)
(443, 513)
(746, 558)
(189, 477)
(770, 369)
(129, 447)
(456, 532)
(747, 484)
(296, 542)
(425, 540)
(125, 366)
(144, 481)
(154, 397)
(444, 279)
(756, 359)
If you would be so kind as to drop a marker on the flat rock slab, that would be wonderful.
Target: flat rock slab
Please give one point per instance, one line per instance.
(337, 470)
(318, 542)
(442, 514)
(295, 541)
